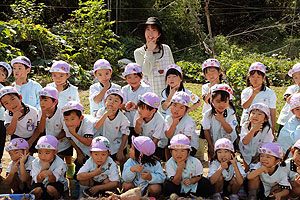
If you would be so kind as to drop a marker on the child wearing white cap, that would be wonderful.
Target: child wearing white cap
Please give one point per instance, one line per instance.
(60, 72)
(48, 170)
(113, 124)
(255, 133)
(26, 87)
(290, 133)
(5, 72)
(99, 173)
(18, 170)
(102, 72)
(20, 120)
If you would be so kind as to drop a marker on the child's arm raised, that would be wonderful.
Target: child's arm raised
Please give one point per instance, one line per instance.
(254, 128)
(138, 125)
(100, 122)
(178, 176)
(225, 125)
(216, 176)
(88, 175)
(25, 176)
(257, 172)
(238, 174)
(14, 169)
(11, 128)
(166, 104)
(171, 129)
(84, 140)
(99, 97)
(248, 102)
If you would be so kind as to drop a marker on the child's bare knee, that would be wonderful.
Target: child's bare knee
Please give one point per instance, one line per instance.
(154, 189)
(127, 186)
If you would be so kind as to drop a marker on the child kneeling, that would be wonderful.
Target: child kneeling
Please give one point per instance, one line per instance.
(184, 171)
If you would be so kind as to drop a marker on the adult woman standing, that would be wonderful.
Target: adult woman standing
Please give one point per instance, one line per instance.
(153, 56)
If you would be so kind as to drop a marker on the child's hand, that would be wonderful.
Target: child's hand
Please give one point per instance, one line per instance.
(181, 164)
(23, 158)
(277, 196)
(187, 181)
(255, 91)
(120, 155)
(174, 89)
(264, 169)
(45, 166)
(98, 170)
(15, 167)
(224, 165)
(137, 168)
(233, 160)
(17, 114)
(139, 121)
(176, 120)
(256, 127)
(297, 179)
(108, 111)
(106, 85)
(146, 175)
(219, 116)
(130, 106)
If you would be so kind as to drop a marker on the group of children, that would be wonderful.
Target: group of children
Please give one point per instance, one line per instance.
(49, 121)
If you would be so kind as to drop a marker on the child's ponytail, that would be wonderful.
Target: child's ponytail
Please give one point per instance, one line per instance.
(283, 164)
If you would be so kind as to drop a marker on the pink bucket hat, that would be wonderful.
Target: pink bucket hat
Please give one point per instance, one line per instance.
(49, 92)
(260, 106)
(294, 101)
(117, 92)
(151, 99)
(224, 143)
(8, 90)
(182, 98)
(17, 143)
(102, 64)
(47, 142)
(273, 149)
(7, 67)
(258, 66)
(144, 145)
(100, 143)
(21, 59)
(72, 105)
(223, 87)
(132, 68)
(180, 141)
(296, 68)
(173, 66)
(297, 144)
(60, 66)
(210, 63)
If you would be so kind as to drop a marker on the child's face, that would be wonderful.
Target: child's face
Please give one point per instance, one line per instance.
(173, 80)
(220, 105)
(256, 80)
(296, 156)
(296, 111)
(257, 117)
(11, 102)
(144, 112)
(268, 160)
(296, 77)
(47, 155)
(132, 152)
(2, 74)
(15, 155)
(47, 103)
(179, 155)
(103, 75)
(99, 157)
(223, 155)
(73, 121)
(60, 78)
(113, 102)
(151, 33)
(212, 74)
(133, 80)
(178, 109)
(20, 71)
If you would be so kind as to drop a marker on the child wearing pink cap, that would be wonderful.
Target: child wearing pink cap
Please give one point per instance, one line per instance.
(51, 123)
(185, 172)
(102, 72)
(293, 169)
(290, 133)
(149, 122)
(26, 87)
(255, 133)
(20, 119)
(179, 122)
(174, 79)
(142, 169)
(135, 87)
(270, 173)
(113, 124)
(18, 171)
(48, 170)
(285, 113)
(258, 92)
(99, 173)
(60, 72)
(225, 173)
(219, 121)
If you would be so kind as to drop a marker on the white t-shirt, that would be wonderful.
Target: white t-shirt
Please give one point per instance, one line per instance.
(108, 170)
(155, 128)
(58, 168)
(86, 129)
(27, 124)
(186, 126)
(216, 129)
(114, 129)
(2, 110)
(291, 169)
(28, 166)
(95, 89)
(228, 174)
(205, 91)
(132, 96)
(193, 168)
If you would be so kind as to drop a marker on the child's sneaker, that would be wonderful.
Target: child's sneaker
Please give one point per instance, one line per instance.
(70, 171)
(217, 196)
(234, 197)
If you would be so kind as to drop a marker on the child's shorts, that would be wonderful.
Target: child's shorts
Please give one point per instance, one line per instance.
(114, 156)
(57, 185)
(67, 152)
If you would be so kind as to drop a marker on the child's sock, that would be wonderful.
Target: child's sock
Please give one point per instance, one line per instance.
(234, 197)
(81, 188)
(70, 171)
